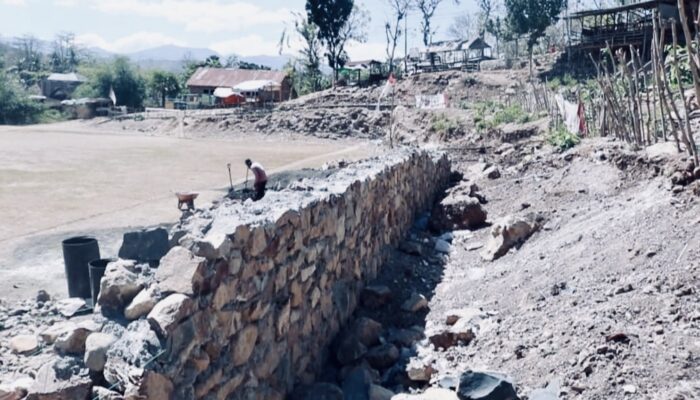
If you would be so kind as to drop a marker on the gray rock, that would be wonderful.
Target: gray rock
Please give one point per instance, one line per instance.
(142, 304)
(145, 246)
(375, 296)
(59, 380)
(415, 303)
(485, 386)
(458, 211)
(16, 389)
(418, 371)
(96, 347)
(350, 349)
(118, 287)
(492, 172)
(383, 356)
(165, 316)
(442, 246)
(72, 341)
(180, 271)
(356, 385)
(245, 344)
(42, 296)
(367, 331)
(507, 233)
(136, 348)
(24, 344)
(71, 306)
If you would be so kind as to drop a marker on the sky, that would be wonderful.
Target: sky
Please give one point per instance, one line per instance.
(243, 27)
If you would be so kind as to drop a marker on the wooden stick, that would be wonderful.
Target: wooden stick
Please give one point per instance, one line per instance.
(692, 150)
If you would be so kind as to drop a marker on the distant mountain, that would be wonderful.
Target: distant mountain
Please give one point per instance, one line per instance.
(172, 53)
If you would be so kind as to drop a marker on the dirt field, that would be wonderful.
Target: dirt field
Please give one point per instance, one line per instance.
(60, 181)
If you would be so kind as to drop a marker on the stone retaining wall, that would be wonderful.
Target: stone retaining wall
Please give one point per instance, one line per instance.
(248, 302)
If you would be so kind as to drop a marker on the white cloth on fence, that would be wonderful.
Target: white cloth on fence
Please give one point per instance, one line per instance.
(569, 113)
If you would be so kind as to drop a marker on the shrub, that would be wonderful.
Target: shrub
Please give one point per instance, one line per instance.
(562, 139)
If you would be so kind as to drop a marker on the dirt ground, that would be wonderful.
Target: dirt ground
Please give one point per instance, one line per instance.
(64, 180)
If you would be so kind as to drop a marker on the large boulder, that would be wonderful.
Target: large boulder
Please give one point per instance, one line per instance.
(180, 271)
(458, 211)
(507, 233)
(147, 245)
(118, 287)
(485, 386)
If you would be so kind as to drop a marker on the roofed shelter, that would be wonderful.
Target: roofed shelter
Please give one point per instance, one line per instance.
(61, 86)
(206, 80)
(373, 69)
(622, 26)
(457, 54)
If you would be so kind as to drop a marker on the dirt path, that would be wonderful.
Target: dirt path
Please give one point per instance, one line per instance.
(56, 183)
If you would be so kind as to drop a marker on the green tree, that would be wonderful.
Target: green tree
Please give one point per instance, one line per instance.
(162, 84)
(304, 70)
(129, 86)
(15, 106)
(331, 17)
(532, 18)
(65, 54)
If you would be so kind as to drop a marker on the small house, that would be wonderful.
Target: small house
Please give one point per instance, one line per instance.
(254, 85)
(371, 69)
(61, 86)
(456, 54)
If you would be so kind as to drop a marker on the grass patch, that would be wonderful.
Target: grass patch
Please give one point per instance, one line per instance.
(562, 139)
(564, 81)
(49, 116)
(445, 126)
(491, 114)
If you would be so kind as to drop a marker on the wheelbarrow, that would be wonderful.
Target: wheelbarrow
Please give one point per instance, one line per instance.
(186, 198)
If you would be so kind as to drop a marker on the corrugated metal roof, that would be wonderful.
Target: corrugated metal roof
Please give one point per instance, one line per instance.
(71, 77)
(220, 77)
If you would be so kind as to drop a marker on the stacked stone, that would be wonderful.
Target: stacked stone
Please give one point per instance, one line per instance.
(248, 314)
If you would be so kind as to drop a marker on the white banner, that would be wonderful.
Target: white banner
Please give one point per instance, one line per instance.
(431, 101)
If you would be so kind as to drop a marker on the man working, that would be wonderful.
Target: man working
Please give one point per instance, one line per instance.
(260, 178)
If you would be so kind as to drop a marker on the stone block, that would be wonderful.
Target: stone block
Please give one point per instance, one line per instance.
(180, 271)
(169, 312)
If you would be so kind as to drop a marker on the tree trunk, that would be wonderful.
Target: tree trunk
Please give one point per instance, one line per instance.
(162, 96)
(529, 49)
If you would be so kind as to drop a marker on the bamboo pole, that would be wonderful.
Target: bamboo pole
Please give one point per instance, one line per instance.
(690, 142)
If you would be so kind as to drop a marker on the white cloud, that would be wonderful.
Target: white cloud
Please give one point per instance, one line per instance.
(127, 44)
(367, 51)
(250, 45)
(66, 3)
(13, 2)
(206, 16)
